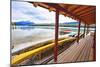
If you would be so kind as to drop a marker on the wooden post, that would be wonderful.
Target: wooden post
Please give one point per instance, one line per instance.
(87, 29)
(84, 29)
(78, 36)
(56, 35)
(94, 46)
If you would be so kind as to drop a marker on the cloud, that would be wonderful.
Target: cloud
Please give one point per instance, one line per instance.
(24, 11)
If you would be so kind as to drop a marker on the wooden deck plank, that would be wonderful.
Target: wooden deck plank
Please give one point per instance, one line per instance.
(88, 50)
(73, 55)
(91, 55)
(77, 52)
(79, 55)
(83, 54)
(68, 54)
(74, 50)
(64, 54)
(84, 51)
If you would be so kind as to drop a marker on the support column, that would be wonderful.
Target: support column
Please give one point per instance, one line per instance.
(78, 36)
(56, 35)
(87, 29)
(94, 46)
(84, 30)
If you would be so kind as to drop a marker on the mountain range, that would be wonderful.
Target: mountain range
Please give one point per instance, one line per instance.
(24, 23)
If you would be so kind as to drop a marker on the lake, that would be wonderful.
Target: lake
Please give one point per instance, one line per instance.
(24, 34)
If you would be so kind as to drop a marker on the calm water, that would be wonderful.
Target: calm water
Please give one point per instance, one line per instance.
(32, 34)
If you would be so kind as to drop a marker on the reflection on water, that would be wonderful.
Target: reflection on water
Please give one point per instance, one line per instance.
(30, 35)
(23, 34)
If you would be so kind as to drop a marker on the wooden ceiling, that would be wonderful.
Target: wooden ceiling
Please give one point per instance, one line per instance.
(81, 13)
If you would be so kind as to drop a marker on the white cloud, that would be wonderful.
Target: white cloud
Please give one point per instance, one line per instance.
(65, 19)
(26, 11)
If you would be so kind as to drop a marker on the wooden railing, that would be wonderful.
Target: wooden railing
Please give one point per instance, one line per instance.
(26, 55)
(36, 45)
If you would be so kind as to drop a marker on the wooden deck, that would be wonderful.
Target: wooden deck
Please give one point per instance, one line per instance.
(82, 51)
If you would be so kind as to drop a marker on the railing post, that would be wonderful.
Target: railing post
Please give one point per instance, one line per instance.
(40, 56)
(56, 35)
(78, 36)
(84, 29)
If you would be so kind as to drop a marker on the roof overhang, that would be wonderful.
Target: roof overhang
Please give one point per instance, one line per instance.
(81, 13)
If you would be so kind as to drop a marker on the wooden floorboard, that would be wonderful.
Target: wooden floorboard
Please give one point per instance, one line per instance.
(91, 55)
(81, 51)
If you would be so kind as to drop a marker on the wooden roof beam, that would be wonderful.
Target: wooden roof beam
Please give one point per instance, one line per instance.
(72, 16)
(75, 8)
(86, 14)
(85, 8)
(86, 11)
(65, 10)
(82, 8)
(63, 6)
(89, 21)
(43, 5)
(56, 6)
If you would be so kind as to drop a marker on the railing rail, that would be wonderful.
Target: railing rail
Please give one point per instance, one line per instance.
(23, 56)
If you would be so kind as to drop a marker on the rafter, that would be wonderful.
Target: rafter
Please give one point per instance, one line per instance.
(67, 12)
(86, 11)
(82, 8)
(75, 8)
(77, 12)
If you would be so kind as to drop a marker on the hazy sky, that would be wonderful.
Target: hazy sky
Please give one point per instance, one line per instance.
(23, 11)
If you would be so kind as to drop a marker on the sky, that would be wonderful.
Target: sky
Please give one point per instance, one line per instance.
(24, 11)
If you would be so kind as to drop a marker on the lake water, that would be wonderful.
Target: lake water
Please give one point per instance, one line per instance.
(24, 34)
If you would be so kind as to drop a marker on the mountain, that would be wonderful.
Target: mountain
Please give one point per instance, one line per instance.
(28, 23)
(70, 22)
(24, 23)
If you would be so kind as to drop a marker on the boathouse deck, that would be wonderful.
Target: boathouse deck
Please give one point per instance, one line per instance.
(82, 51)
